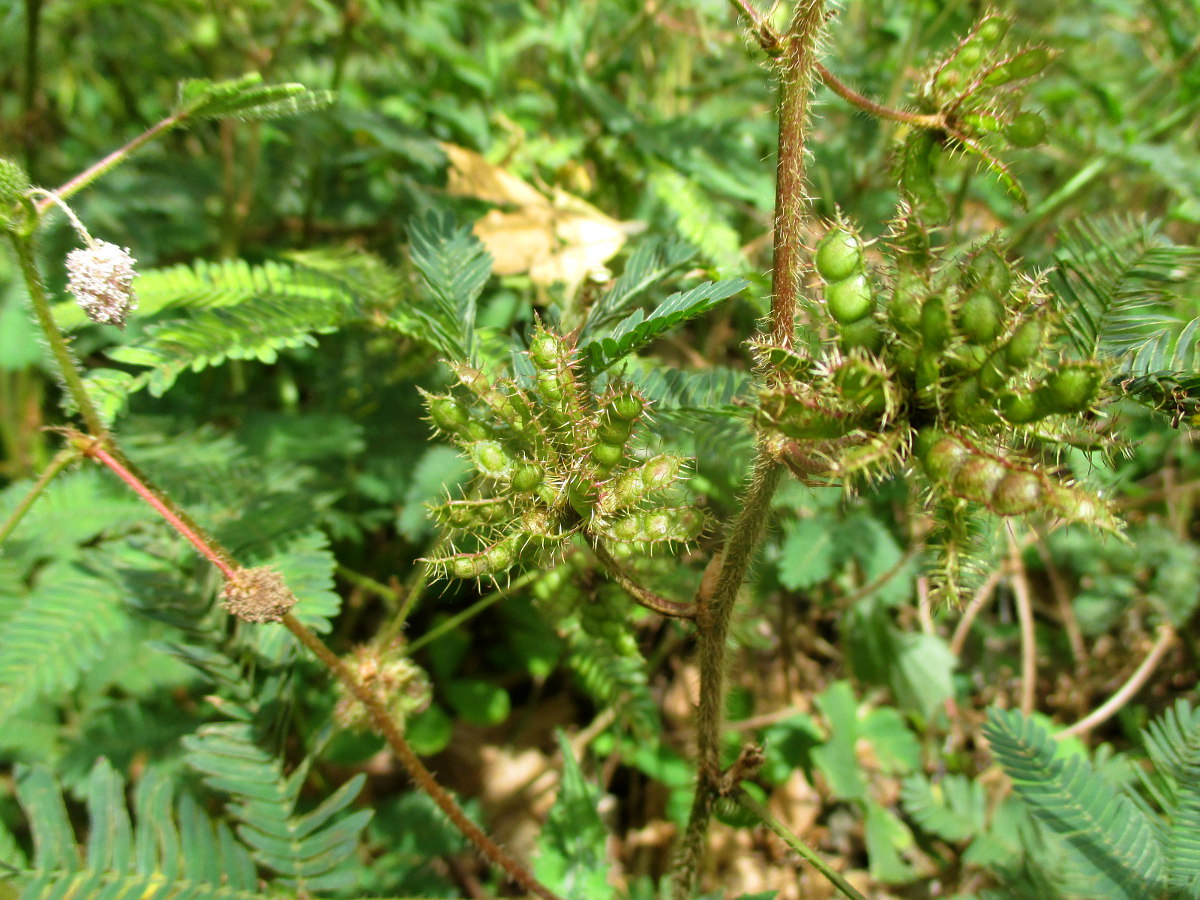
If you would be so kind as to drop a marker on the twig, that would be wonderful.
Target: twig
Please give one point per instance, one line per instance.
(1020, 584)
(1066, 612)
(644, 596)
(981, 598)
(473, 610)
(61, 460)
(412, 763)
(798, 846)
(1125, 693)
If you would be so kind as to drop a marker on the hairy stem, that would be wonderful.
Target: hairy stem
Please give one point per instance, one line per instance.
(60, 462)
(92, 172)
(67, 367)
(221, 558)
(641, 595)
(796, 61)
(413, 765)
(798, 846)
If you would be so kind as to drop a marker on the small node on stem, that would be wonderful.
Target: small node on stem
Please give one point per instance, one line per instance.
(257, 595)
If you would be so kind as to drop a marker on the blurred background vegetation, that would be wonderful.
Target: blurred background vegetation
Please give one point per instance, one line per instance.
(659, 115)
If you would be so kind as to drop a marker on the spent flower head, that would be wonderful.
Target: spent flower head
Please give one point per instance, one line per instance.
(101, 278)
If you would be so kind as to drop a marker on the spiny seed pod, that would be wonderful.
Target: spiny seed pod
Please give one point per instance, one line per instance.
(1017, 68)
(916, 174)
(607, 456)
(864, 334)
(980, 318)
(627, 405)
(800, 417)
(935, 322)
(992, 29)
(653, 526)
(862, 385)
(1072, 388)
(493, 560)
(470, 513)
(550, 386)
(14, 182)
(1027, 129)
(1019, 492)
(978, 477)
(850, 299)
(491, 459)
(1024, 345)
(904, 306)
(994, 372)
(989, 271)
(943, 458)
(839, 255)
(527, 477)
(1020, 409)
(448, 414)
(983, 122)
(546, 350)
(929, 371)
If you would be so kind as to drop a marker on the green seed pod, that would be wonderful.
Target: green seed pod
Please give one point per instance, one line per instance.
(466, 565)
(470, 513)
(989, 270)
(865, 334)
(627, 405)
(839, 255)
(983, 122)
(929, 371)
(917, 172)
(1023, 65)
(1018, 492)
(527, 477)
(1027, 129)
(612, 430)
(491, 459)
(925, 440)
(502, 556)
(546, 350)
(991, 30)
(994, 372)
(550, 386)
(904, 306)
(850, 299)
(1025, 344)
(449, 415)
(1020, 409)
(978, 477)
(1072, 388)
(967, 405)
(800, 418)
(980, 318)
(1076, 506)
(904, 358)
(14, 182)
(944, 458)
(654, 526)
(1029, 63)
(935, 322)
(607, 456)
(862, 386)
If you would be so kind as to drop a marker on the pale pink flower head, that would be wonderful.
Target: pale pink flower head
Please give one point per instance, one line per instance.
(101, 278)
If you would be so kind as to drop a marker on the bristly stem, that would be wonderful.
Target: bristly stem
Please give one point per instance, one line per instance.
(63, 459)
(413, 765)
(716, 600)
(67, 367)
(92, 172)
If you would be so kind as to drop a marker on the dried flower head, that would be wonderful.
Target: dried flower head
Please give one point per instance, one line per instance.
(257, 595)
(396, 681)
(101, 278)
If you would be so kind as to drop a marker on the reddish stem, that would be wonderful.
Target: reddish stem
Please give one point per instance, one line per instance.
(96, 450)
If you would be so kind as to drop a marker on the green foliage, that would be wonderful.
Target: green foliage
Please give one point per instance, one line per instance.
(247, 99)
(1110, 838)
(307, 851)
(170, 849)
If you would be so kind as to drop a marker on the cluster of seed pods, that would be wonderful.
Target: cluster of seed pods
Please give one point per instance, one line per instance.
(974, 91)
(552, 460)
(959, 371)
